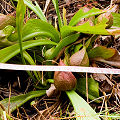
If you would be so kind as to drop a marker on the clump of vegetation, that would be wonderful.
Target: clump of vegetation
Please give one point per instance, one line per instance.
(69, 44)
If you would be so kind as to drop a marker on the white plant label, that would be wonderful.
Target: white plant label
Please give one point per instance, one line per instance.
(59, 68)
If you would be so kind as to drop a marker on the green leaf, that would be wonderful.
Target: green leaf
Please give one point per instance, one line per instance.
(102, 52)
(89, 42)
(20, 12)
(85, 28)
(64, 16)
(49, 52)
(116, 19)
(31, 61)
(35, 8)
(93, 88)
(55, 2)
(9, 52)
(82, 109)
(77, 47)
(7, 31)
(37, 27)
(81, 14)
(64, 42)
(17, 101)
(4, 34)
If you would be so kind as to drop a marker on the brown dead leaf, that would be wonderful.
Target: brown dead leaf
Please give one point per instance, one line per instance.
(115, 1)
(6, 20)
(118, 90)
(105, 87)
(98, 77)
(84, 20)
(115, 57)
(110, 62)
(101, 52)
(101, 77)
(114, 60)
(116, 93)
(114, 31)
(68, 2)
(80, 58)
(113, 8)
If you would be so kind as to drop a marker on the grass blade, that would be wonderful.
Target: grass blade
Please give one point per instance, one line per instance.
(55, 2)
(31, 61)
(35, 8)
(20, 12)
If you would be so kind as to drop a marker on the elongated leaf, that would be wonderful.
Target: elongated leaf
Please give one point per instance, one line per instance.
(93, 88)
(36, 27)
(85, 28)
(31, 61)
(83, 110)
(89, 42)
(115, 63)
(55, 2)
(81, 14)
(66, 41)
(20, 12)
(64, 16)
(35, 8)
(101, 52)
(17, 101)
(9, 52)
